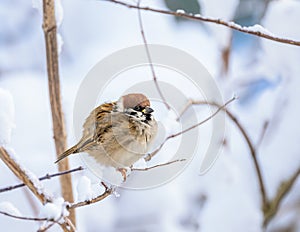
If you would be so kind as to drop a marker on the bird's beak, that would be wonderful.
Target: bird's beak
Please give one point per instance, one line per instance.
(147, 110)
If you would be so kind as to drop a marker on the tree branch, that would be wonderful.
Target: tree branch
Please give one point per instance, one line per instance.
(22, 175)
(199, 17)
(158, 165)
(44, 228)
(22, 217)
(50, 32)
(265, 203)
(108, 191)
(282, 191)
(46, 177)
(223, 107)
(149, 58)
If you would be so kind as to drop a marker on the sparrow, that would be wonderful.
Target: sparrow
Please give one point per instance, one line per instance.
(117, 134)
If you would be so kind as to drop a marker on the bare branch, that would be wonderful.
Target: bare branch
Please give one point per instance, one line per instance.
(262, 134)
(223, 107)
(250, 144)
(149, 58)
(282, 191)
(199, 17)
(46, 177)
(158, 165)
(42, 229)
(50, 32)
(22, 217)
(45, 228)
(70, 224)
(108, 191)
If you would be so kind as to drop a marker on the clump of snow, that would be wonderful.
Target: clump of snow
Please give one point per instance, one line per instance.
(84, 189)
(54, 210)
(8, 207)
(258, 28)
(36, 182)
(233, 24)
(7, 114)
(116, 193)
(13, 155)
(180, 11)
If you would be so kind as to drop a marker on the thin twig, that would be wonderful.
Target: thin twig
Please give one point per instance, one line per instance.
(223, 107)
(50, 32)
(46, 177)
(158, 165)
(23, 218)
(149, 57)
(185, 108)
(199, 17)
(108, 191)
(250, 144)
(262, 134)
(53, 222)
(282, 191)
(45, 228)
(226, 54)
(70, 224)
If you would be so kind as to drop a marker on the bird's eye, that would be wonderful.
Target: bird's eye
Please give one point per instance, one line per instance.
(138, 108)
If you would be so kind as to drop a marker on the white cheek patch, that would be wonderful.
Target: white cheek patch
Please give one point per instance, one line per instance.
(140, 114)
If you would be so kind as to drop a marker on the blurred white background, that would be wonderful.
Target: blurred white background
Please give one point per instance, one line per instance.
(263, 73)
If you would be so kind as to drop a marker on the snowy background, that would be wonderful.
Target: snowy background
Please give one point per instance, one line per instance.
(264, 74)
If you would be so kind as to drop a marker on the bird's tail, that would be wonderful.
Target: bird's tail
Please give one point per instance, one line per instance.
(68, 152)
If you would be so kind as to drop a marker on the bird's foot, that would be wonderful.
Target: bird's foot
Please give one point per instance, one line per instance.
(123, 172)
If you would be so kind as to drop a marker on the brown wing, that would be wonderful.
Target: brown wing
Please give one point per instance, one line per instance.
(95, 125)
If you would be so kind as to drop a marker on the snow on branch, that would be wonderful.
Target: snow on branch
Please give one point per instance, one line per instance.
(32, 182)
(59, 132)
(256, 30)
(50, 214)
(25, 176)
(108, 191)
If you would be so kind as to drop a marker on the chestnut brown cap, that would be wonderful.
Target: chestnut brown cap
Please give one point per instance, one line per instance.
(135, 99)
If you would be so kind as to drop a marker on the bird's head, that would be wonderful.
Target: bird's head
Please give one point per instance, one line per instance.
(135, 102)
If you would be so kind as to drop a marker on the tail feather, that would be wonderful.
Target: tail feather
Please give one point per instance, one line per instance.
(68, 152)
